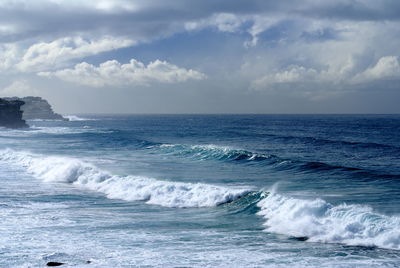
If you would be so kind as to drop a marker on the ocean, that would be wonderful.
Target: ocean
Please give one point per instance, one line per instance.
(202, 191)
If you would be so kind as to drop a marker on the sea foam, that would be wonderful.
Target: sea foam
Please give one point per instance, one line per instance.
(129, 188)
(320, 221)
(77, 118)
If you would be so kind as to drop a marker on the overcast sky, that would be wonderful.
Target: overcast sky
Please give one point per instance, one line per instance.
(203, 56)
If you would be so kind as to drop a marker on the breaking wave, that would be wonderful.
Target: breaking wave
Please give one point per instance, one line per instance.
(312, 220)
(77, 118)
(34, 130)
(129, 188)
(319, 221)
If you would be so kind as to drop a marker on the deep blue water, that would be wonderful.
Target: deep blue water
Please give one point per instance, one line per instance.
(202, 190)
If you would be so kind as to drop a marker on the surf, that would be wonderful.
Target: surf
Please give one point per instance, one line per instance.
(128, 188)
(316, 220)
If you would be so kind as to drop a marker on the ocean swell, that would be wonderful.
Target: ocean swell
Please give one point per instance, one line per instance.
(228, 154)
(213, 152)
(129, 188)
(319, 221)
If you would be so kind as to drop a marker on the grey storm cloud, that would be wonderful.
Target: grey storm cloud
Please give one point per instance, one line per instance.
(151, 19)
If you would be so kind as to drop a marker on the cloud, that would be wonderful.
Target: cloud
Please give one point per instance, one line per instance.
(224, 22)
(309, 48)
(46, 30)
(8, 56)
(113, 73)
(228, 22)
(18, 89)
(260, 24)
(294, 74)
(297, 77)
(387, 67)
(44, 18)
(44, 56)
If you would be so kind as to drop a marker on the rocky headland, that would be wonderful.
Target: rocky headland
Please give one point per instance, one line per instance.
(11, 114)
(37, 108)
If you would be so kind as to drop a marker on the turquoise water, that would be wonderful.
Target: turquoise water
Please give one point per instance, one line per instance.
(197, 190)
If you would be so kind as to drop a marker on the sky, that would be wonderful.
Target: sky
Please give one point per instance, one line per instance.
(203, 56)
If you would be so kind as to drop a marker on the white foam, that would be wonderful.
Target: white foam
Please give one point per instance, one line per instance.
(34, 130)
(43, 120)
(77, 118)
(130, 188)
(324, 222)
(199, 147)
(55, 130)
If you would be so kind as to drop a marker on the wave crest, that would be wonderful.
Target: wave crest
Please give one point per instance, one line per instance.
(319, 221)
(213, 152)
(129, 188)
(77, 118)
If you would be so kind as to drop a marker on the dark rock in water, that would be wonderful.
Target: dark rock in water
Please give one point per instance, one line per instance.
(37, 108)
(11, 114)
(54, 263)
(300, 238)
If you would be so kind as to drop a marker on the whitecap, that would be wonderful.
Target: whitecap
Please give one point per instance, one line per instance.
(320, 221)
(129, 188)
(77, 118)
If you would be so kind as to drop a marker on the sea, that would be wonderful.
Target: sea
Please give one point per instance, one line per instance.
(202, 191)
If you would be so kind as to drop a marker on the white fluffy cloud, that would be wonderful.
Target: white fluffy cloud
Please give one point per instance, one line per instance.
(18, 89)
(113, 73)
(294, 74)
(44, 56)
(8, 56)
(386, 67)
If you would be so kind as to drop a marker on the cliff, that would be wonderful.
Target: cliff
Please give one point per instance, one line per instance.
(37, 108)
(11, 114)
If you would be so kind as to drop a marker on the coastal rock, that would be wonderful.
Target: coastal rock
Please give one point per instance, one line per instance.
(54, 263)
(11, 114)
(37, 108)
(300, 238)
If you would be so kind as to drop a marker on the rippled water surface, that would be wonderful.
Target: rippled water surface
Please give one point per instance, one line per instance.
(202, 190)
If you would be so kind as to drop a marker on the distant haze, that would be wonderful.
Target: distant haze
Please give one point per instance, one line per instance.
(203, 56)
